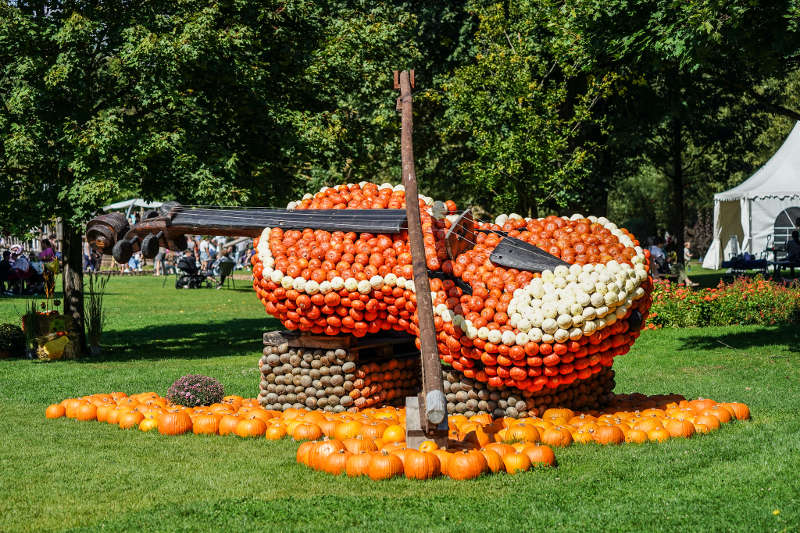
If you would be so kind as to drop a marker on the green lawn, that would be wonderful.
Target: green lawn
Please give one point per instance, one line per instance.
(706, 278)
(67, 475)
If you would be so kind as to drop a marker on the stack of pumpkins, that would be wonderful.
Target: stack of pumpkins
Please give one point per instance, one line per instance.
(527, 331)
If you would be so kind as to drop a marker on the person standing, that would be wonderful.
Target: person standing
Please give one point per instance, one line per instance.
(226, 259)
(48, 253)
(5, 272)
(204, 253)
(88, 264)
(159, 266)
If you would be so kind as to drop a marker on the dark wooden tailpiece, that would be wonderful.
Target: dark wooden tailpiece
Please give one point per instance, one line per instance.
(516, 253)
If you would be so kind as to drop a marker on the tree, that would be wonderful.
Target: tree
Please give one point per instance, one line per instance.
(701, 77)
(521, 115)
(235, 103)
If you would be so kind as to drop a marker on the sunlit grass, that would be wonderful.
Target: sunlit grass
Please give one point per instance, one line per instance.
(67, 475)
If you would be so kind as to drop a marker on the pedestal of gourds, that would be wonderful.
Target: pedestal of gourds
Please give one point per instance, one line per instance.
(336, 374)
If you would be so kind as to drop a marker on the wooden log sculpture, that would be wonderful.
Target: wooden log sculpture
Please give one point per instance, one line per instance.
(338, 263)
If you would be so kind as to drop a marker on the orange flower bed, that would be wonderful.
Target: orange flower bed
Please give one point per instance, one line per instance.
(519, 329)
(371, 442)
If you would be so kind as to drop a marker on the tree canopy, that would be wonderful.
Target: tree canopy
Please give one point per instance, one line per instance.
(535, 105)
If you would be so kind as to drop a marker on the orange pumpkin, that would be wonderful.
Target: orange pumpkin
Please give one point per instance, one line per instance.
(493, 460)
(103, 411)
(500, 448)
(522, 433)
(384, 466)
(609, 435)
(86, 412)
(321, 450)
(347, 430)
(71, 407)
(467, 464)
(303, 452)
(357, 464)
(721, 413)
(709, 421)
(130, 420)
(516, 462)
(739, 410)
(336, 462)
(557, 436)
(374, 430)
(421, 465)
(658, 434)
(679, 428)
(250, 427)
(306, 431)
(636, 436)
(359, 444)
(55, 411)
(148, 424)
(540, 455)
(275, 432)
(206, 424)
(175, 423)
(428, 446)
(444, 459)
(394, 433)
(228, 423)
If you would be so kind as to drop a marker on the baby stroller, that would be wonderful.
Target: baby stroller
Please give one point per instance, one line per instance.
(189, 277)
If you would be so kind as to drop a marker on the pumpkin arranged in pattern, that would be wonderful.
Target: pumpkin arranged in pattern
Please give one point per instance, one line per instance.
(523, 330)
(375, 445)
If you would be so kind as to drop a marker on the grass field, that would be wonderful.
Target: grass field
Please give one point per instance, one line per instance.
(82, 476)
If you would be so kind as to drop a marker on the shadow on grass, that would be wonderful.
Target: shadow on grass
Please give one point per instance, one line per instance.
(785, 336)
(187, 341)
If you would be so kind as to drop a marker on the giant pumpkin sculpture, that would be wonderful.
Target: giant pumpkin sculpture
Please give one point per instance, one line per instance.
(520, 328)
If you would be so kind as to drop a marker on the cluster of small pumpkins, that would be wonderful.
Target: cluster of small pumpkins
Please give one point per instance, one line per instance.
(372, 442)
(518, 329)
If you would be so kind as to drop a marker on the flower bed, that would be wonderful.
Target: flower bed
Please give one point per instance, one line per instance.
(371, 442)
(744, 301)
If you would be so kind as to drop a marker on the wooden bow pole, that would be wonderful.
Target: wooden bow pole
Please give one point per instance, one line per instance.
(432, 421)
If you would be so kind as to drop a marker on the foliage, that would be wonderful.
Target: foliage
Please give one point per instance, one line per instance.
(12, 340)
(700, 83)
(521, 109)
(745, 301)
(195, 389)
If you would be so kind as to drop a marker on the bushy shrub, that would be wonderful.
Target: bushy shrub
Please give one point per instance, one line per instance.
(744, 301)
(12, 340)
(195, 389)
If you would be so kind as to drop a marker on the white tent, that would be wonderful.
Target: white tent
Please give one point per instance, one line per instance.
(748, 211)
(128, 204)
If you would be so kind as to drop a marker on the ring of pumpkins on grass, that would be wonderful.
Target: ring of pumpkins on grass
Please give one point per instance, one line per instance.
(372, 442)
(525, 330)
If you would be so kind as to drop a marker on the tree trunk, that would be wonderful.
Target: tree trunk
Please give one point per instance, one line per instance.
(679, 214)
(73, 283)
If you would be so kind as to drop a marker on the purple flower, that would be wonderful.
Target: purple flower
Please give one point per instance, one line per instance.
(193, 390)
